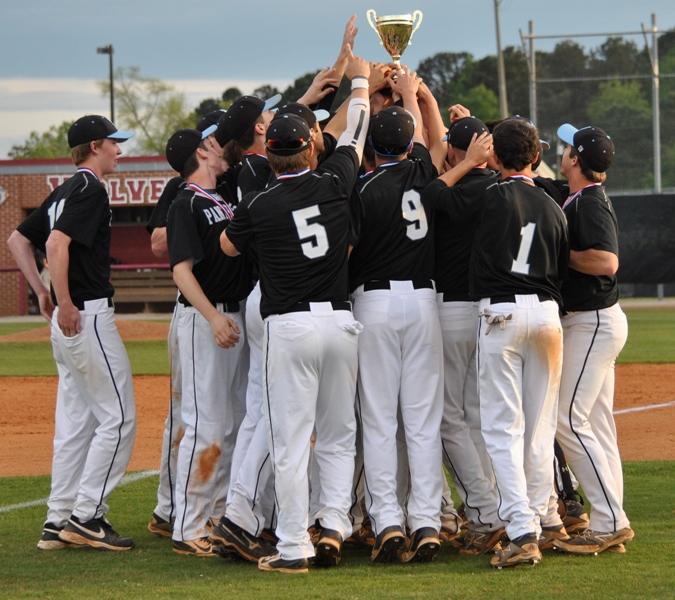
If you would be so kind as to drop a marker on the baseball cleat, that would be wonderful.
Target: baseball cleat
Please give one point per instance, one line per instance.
(424, 546)
(388, 545)
(328, 549)
(201, 547)
(576, 518)
(269, 536)
(232, 537)
(96, 533)
(283, 565)
(363, 536)
(618, 549)
(593, 542)
(160, 527)
(314, 532)
(524, 550)
(550, 535)
(476, 541)
(50, 540)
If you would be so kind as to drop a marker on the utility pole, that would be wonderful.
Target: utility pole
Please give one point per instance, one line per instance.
(109, 51)
(501, 74)
(656, 104)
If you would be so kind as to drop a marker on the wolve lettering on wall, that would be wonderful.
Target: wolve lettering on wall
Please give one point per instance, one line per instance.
(124, 191)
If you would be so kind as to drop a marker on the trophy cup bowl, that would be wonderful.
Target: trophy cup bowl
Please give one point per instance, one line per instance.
(395, 31)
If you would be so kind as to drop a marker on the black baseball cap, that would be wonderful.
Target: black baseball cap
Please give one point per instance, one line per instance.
(183, 143)
(391, 131)
(287, 134)
(462, 130)
(594, 146)
(216, 117)
(95, 127)
(311, 116)
(244, 112)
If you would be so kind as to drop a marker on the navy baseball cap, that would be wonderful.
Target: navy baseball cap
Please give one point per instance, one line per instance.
(216, 117)
(594, 146)
(244, 112)
(183, 143)
(287, 134)
(95, 127)
(462, 130)
(392, 130)
(311, 116)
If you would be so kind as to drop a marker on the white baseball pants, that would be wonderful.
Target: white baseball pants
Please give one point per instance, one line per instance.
(401, 364)
(586, 429)
(459, 327)
(173, 427)
(250, 499)
(212, 409)
(309, 381)
(95, 415)
(519, 362)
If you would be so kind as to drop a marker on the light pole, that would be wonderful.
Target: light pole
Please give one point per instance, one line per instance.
(501, 75)
(109, 51)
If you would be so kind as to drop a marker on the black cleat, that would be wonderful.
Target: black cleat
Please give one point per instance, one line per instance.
(388, 545)
(282, 565)
(328, 548)
(424, 546)
(50, 540)
(96, 533)
(160, 527)
(232, 537)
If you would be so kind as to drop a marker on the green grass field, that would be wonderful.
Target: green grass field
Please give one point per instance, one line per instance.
(651, 338)
(152, 570)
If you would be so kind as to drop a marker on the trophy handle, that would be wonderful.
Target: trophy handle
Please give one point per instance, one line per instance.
(371, 17)
(416, 16)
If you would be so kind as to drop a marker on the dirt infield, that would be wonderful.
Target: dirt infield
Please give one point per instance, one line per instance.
(129, 330)
(27, 418)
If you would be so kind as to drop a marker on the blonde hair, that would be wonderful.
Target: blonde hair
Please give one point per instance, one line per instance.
(82, 152)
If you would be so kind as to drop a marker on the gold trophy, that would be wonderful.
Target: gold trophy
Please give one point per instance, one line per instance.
(395, 31)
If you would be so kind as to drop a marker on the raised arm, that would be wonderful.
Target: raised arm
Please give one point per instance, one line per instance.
(358, 110)
(433, 121)
(405, 84)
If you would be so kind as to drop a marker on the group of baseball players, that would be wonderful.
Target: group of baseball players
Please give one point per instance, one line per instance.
(362, 302)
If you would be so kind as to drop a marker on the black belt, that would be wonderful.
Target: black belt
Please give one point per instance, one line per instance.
(228, 307)
(511, 298)
(385, 284)
(448, 297)
(305, 306)
(80, 303)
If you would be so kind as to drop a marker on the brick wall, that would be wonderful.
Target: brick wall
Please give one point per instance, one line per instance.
(24, 184)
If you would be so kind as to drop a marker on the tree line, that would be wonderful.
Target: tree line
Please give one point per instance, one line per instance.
(612, 91)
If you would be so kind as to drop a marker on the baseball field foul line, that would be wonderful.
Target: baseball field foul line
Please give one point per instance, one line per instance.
(126, 480)
(625, 411)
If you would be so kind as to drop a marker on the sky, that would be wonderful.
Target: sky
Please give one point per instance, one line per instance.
(50, 67)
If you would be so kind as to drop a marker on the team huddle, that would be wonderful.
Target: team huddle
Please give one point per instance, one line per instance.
(366, 299)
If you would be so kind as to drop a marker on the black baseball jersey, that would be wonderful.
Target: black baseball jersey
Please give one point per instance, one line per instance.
(194, 226)
(454, 237)
(161, 210)
(329, 145)
(299, 228)
(396, 233)
(592, 224)
(558, 189)
(254, 175)
(520, 245)
(80, 208)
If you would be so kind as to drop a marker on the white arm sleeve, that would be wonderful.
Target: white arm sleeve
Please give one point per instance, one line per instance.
(358, 116)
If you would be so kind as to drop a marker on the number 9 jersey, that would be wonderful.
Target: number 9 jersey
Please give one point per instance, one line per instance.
(398, 241)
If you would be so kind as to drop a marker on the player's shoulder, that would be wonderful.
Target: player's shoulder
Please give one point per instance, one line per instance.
(260, 197)
(82, 183)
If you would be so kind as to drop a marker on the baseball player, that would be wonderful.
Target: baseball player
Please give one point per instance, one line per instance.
(247, 120)
(161, 522)
(212, 350)
(519, 256)
(400, 360)
(458, 314)
(595, 331)
(299, 229)
(95, 411)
